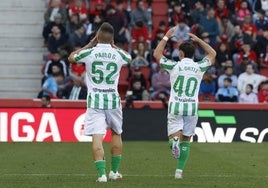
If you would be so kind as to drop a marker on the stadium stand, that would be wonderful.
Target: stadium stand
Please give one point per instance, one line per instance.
(24, 52)
(21, 50)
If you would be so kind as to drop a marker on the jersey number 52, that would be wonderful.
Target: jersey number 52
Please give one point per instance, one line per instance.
(101, 76)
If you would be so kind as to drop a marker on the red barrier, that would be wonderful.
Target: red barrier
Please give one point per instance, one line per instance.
(60, 103)
(43, 125)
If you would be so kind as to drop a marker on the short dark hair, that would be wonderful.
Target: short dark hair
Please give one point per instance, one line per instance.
(47, 97)
(106, 32)
(188, 49)
(250, 85)
(228, 79)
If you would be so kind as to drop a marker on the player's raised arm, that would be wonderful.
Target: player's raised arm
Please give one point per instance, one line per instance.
(158, 52)
(211, 53)
(92, 43)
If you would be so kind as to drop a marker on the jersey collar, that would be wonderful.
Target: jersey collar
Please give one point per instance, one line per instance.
(103, 45)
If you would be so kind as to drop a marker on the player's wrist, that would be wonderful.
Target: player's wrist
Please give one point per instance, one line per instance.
(165, 38)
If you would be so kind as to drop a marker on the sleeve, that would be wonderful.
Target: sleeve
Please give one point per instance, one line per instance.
(167, 64)
(125, 57)
(204, 64)
(82, 55)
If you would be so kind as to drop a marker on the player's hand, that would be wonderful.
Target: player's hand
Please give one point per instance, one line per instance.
(94, 41)
(193, 37)
(170, 32)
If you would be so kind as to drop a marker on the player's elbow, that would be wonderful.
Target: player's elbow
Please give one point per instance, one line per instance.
(157, 56)
(71, 59)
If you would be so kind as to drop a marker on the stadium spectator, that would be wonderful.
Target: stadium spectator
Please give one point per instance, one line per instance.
(199, 52)
(263, 92)
(261, 22)
(207, 85)
(177, 14)
(136, 92)
(227, 93)
(45, 101)
(248, 52)
(99, 9)
(47, 30)
(248, 27)
(243, 11)
(54, 9)
(241, 68)
(228, 73)
(157, 38)
(211, 26)
(140, 55)
(185, 5)
(249, 77)
(138, 76)
(226, 30)
(78, 7)
(249, 96)
(56, 41)
(139, 32)
(72, 23)
(221, 10)
(162, 26)
(261, 5)
(140, 15)
(199, 11)
(161, 85)
(78, 37)
(119, 21)
(180, 34)
(75, 91)
(93, 25)
(55, 61)
(238, 40)
(50, 86)
(261, 48)
(223, 54)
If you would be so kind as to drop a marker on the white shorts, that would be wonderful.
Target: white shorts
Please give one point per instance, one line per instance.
(97, 121)
(185, 123)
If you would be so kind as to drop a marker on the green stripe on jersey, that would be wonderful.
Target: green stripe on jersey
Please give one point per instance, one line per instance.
(89, 99)
(170, 107)
(176, 108)
(204, 69)
(167, 67)
(124, 57)
(114, 101)
(193, 109)
(185, 109)
(97, 101)
(83, 55)
(105, 101)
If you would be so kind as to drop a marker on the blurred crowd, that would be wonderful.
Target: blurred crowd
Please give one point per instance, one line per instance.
(236, 29)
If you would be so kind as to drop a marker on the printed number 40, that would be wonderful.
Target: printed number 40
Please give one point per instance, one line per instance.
(188, 85)
(99, 76)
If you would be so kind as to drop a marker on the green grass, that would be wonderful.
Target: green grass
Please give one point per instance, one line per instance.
(144, 165)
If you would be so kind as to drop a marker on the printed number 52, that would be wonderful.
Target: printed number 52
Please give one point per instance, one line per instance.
(99, 75)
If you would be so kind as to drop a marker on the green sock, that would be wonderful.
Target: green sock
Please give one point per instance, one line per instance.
(184, 154)
(116, 160)
(101, 167)
(170, 142)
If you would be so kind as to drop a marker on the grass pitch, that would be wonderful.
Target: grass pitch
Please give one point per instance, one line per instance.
(144, 165)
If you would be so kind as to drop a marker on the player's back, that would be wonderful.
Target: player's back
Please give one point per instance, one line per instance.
(185, 78)
(103, 64)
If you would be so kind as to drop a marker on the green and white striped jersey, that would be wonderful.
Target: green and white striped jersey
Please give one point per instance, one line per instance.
(185, 79)
(103, 64)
